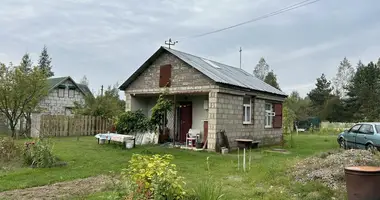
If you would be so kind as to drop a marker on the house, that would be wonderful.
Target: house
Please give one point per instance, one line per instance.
(63, 92)
(209, 96)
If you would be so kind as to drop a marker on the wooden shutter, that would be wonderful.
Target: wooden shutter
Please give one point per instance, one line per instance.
(165, 75)
(277, 119)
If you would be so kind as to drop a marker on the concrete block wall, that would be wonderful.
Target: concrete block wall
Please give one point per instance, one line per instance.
(54, 105)
(229, 117)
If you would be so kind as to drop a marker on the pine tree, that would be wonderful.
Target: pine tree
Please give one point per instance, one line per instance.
(271, 79)
(319, 95)
(26, 63)
(44, 63)
(261, 70)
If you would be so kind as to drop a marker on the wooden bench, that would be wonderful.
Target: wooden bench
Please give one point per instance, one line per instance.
(247, 143)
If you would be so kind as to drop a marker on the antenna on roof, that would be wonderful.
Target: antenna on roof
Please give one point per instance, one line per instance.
(240, 56)
(170, 43)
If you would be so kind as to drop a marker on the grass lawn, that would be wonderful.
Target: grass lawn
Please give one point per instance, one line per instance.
(267, 179)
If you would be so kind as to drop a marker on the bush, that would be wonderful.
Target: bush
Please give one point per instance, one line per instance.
(8, 149)
(39, 154)
(153, 177)
(132, 122)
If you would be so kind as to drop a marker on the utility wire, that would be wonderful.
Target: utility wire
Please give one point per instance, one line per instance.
(277, 12)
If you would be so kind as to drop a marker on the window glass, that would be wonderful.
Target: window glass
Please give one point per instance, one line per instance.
(366, 129)
(61, 92)
(268, 115)
(355, 128)
(71, 93)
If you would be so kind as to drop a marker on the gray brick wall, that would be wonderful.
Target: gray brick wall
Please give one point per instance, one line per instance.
(184, 78)
(54, 105)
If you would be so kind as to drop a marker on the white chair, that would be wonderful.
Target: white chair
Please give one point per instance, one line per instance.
(192, 136)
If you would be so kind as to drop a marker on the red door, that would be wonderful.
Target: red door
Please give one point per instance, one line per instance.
(205, 131)
(186, 115)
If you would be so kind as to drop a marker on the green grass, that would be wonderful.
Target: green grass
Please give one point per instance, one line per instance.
(86, 158)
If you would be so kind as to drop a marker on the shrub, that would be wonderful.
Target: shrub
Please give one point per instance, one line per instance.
(39, 153)
(8, 149)
(153, 177)
(208, 190)
(132, 122)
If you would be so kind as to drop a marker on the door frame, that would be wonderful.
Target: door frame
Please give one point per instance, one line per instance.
(182, 137)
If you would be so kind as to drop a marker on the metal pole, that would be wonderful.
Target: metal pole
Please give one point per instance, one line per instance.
(238, 159)
(244, 160)
(240, 57)
(250, 153)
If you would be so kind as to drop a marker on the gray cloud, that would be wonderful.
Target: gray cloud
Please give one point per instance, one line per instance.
(108, 40)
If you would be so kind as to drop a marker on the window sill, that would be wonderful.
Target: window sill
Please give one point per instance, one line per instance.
(268, 127)
(247, 123)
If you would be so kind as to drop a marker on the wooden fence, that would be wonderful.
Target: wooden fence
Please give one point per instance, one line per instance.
(60, 126)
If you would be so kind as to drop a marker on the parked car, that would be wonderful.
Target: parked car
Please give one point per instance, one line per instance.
(364, 135)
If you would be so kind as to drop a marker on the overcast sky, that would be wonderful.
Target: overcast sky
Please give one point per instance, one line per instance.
(108, 40)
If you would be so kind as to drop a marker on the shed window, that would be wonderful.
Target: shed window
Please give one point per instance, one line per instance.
(61, 92)
(71, 93)
(165, 75)
(247, 110)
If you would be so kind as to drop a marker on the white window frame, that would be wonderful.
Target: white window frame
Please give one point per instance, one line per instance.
(63, 95)
(247, 119)
(269, 115)
(73, 93)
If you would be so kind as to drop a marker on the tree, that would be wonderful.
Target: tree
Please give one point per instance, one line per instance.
(319, 95)
(363, 92)
(44, 63)
(26, 63)
(271, 79)
(261, 70)
(84, 81)
(342, 78)
(20, 92)
(108, 106)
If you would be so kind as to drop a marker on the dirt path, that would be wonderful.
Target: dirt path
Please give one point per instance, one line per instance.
(62, 190)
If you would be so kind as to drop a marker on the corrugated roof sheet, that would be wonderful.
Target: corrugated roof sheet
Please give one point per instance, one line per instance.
(224, 73)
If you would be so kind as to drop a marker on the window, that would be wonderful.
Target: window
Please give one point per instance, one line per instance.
(71, 93)
(247, 110)
(355, 129)
(269, 114)
(61, 92)
(366, 129)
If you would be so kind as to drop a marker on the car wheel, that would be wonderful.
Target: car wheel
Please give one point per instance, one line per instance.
(342, 144)
(370, 147)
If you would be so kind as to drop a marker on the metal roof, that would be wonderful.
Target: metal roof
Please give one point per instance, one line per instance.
(54, 82)
(218, 72)
(225, 74)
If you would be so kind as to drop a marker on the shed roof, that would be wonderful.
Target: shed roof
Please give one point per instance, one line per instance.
(218, 72)
(54, 82)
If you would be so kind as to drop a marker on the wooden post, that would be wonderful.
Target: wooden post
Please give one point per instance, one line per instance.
(250, 153)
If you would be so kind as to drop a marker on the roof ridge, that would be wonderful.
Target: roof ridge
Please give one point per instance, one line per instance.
(202, 58)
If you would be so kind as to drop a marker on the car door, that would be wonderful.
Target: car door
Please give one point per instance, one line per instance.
(363, 135)
(350, 136)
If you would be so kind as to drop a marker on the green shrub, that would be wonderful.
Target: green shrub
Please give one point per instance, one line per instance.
(8, 149)
(153, 177)
(132, 122)
(208, 190)
(39, 154)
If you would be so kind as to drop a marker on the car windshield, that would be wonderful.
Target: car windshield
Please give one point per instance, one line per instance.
(377, 128)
